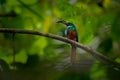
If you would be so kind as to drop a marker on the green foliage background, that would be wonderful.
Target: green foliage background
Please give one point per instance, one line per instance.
(98, 26)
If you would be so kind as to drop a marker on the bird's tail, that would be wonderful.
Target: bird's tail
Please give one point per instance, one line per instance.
(73, 54)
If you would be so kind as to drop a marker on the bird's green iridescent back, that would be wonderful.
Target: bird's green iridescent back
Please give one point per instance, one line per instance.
(71, 32)
(70, 27)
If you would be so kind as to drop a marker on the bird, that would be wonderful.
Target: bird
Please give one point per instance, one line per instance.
(71, 33)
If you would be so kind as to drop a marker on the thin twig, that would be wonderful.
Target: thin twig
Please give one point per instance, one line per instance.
(99, 56)
(27, 7)
(13, 47)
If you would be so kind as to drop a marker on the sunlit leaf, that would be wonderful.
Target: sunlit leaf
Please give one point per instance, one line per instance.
(38, 46)
(21, 57)
(117, 60)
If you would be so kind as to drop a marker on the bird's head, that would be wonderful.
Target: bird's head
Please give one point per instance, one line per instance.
(65, 23)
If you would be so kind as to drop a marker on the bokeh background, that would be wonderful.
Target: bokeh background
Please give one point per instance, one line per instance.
(41, 58)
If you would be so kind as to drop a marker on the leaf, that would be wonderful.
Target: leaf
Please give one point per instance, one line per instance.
(38, 46)
(117, 60)
(21, 57)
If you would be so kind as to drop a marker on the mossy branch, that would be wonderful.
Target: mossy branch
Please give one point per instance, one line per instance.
(99, 56)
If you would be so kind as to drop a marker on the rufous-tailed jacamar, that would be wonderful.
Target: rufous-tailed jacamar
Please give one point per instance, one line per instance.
(71, 33)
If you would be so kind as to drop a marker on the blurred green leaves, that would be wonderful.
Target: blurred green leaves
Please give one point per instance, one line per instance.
(21, 57)
(2, 2)
(93, 18)
(116, 28)
(38, 46)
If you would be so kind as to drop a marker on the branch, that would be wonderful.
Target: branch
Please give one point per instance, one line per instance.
(94, 53)
(12, 14)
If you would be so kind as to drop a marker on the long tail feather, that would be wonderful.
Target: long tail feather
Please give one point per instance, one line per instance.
(73, 54)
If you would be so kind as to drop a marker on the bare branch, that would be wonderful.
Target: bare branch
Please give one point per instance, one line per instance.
(94, 53)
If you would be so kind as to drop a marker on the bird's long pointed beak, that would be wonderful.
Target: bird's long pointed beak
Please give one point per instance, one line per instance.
(63, 22)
